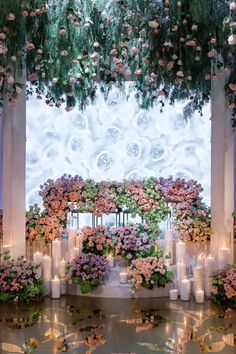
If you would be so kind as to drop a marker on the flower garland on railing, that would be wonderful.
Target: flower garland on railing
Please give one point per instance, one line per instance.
(152, 199)
(169, 49)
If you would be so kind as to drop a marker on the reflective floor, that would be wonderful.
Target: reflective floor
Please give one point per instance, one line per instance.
(112, 326)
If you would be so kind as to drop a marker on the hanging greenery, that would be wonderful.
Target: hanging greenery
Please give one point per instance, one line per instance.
(71, 48)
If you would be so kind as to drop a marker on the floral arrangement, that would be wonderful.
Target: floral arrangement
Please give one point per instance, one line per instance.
(40, 226)
(133, 241)
(192, 218)
(148, 273)
(152, 199)
(170, 49)
(223, 285)
(68, 193)
(88, 271)
(97, 240)
(20, 280)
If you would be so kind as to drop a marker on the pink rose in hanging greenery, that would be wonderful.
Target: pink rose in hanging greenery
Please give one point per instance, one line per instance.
(25, 13)
(64, 53)
(11, 16)
(2, 36)
(113, 51)
(191, 43)
(232, 6)
(232, 87)
(29, 46)
(138, 72)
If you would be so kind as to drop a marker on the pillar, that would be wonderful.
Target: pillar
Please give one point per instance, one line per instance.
(13, 175)
(222, 169)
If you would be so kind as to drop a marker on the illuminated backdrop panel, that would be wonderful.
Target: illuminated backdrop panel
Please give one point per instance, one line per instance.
(115, 139)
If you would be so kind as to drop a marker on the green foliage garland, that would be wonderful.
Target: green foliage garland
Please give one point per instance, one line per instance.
(69, 48)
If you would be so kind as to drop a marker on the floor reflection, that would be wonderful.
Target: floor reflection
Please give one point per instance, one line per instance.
(113, 326)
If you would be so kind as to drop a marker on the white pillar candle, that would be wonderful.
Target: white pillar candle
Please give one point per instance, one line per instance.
(47, 268)
(56, 249)
(75, 252)
(123, 277)
(181, 271)
(180, 251)
(201, 260)
(56, 255)
(62, 268)
(198, 278)
(37, 257)
(209, 268)
(63, 287)
(173, 294)
(169, 246)
(55, 288)
(185, 290)
(199, 296)
(209, 264)
(224, 257)
(111, 261)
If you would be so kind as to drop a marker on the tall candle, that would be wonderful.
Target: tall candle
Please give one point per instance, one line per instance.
(173, 294)
(209, 268)
(111, 261)
(199, 296)
(185, 290)
(75, 252)
(198, 278)
(47, 268)
(55, 288)
(123, 277)
(224, 257)
(37, 257)
(62, 268)
(56, 249)
(181, 271)
(201, 260)
(180, 251)
(56, 255)
(169, 246)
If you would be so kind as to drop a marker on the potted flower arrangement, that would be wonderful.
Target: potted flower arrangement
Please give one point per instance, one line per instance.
(20, 280)
(223, 285)
(88, 271)
(133, 241)
(97, 240)
(148, 273)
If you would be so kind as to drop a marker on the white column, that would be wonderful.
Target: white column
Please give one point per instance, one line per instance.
(222, 163)
(13, 175)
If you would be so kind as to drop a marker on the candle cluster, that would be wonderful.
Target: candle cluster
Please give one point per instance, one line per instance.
(195, 280)
(53, 268)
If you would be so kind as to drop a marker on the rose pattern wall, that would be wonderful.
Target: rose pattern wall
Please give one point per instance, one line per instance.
(115, 139)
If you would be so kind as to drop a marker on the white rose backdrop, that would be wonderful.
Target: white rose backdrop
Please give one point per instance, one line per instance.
(115, 139)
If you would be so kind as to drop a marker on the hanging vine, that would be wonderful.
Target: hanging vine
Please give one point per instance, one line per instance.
(170, 50)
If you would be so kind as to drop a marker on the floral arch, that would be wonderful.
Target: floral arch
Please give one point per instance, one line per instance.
(153, 199)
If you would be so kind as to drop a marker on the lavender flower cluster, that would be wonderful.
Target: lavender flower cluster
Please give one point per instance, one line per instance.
(19, 280)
